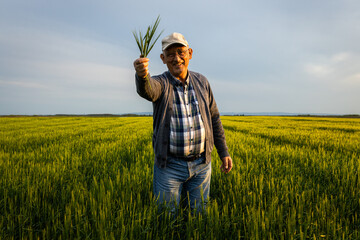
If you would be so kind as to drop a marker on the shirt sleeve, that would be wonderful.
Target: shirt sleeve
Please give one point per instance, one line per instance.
(218, 130)
(149, 87)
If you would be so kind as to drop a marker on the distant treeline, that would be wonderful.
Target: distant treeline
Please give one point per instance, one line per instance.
(83, 115)
(150, 114)
(335, 116)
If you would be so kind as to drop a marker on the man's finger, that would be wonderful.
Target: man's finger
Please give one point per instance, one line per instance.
(140, 61)
(230, 165)
(223, 167)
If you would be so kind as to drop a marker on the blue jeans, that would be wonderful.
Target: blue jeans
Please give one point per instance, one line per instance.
(179, 176)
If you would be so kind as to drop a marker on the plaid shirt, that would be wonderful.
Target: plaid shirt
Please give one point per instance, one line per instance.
(187, 131)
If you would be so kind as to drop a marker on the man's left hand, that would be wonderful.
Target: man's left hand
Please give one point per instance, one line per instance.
(226, 165)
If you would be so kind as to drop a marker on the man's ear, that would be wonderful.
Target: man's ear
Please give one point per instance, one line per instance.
(162, 58)
(190, 53)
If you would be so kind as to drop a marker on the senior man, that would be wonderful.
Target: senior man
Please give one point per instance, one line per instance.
(186, 124)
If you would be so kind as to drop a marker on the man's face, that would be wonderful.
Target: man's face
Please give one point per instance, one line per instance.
(177, 58)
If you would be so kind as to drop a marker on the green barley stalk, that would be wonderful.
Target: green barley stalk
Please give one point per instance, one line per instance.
(146, 42)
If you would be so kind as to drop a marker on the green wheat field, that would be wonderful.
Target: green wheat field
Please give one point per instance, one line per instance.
(91, 178)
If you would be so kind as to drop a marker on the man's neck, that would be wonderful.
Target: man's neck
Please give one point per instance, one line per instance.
(182, 78)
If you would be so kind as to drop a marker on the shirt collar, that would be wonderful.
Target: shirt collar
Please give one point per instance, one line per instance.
(178, 82)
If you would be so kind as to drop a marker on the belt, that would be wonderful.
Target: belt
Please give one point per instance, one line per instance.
(188, 158)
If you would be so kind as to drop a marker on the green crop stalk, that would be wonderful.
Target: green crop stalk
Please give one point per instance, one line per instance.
(146, 42)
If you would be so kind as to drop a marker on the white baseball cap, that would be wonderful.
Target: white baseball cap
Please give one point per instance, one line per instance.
(172, 39)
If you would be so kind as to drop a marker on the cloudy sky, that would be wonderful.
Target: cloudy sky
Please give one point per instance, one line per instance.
(75, 57)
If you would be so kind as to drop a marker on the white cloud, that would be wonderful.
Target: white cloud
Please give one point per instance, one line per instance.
(337, 68)
(24, 84)
(340, 57)
(353, 80)
(318, 70)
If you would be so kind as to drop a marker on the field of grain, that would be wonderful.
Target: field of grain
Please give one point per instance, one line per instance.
(91, 178)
